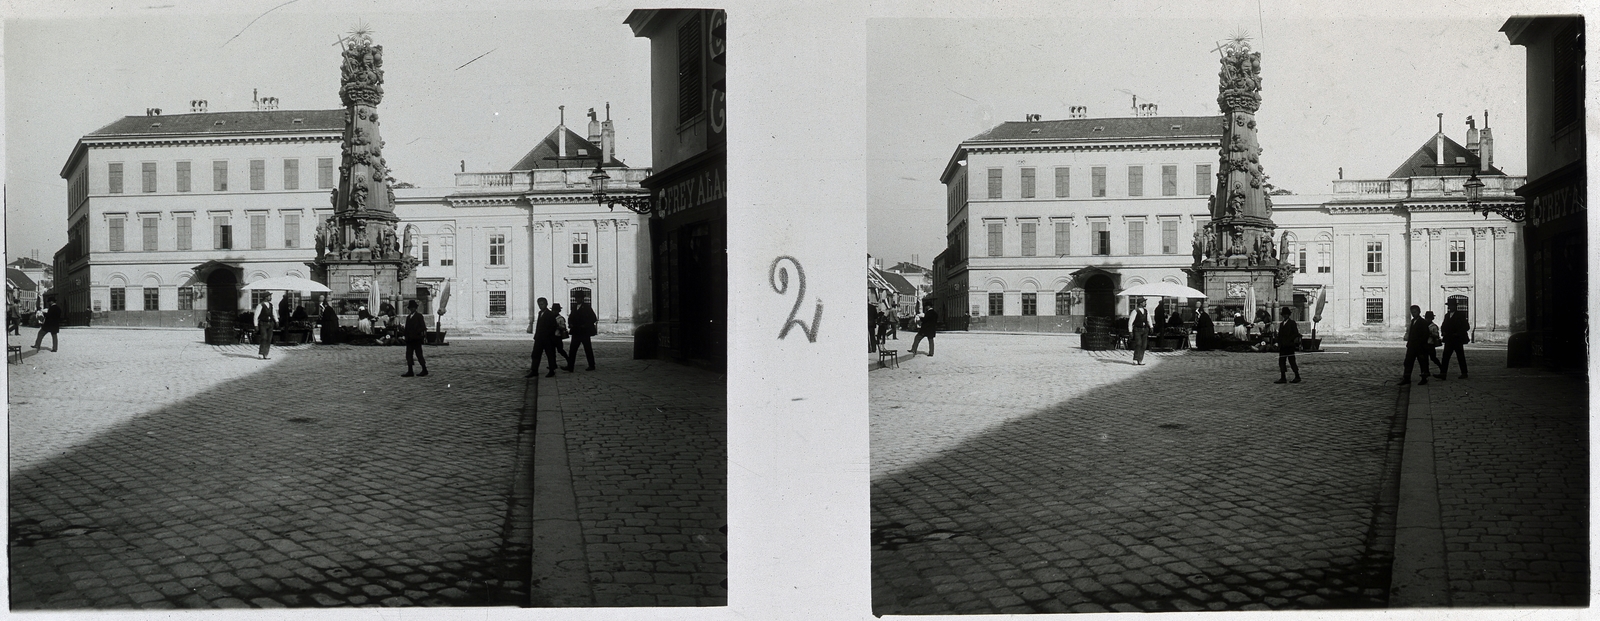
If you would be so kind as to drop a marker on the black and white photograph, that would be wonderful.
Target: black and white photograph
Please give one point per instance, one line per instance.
(1189, 281)
(269, 350)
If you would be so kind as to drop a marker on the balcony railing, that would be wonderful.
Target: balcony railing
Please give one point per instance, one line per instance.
(556, 179)
(1422, 187)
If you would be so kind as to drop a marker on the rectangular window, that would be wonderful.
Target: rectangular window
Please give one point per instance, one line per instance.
(1063, 182)
(1063, 238)
(258, 174)
(1169, 237)
(497, 249)
(147, 174)
(690, 98)
(114, 172)
(291, 230)
(185, 232)
(1135, 181)
(1302, 259)
(258, 231)
(152, 299)
(1374, 310)
(324, 173)
(994, 182)
(996, 238)
(291, 174)
(1027, 183)
(185, 298)
(1136, 237)
(1202, 180)
(1458, 255)
(1100, 236)
(997, 303)
(221, 233)
(1566, 79)
(219, 176)
(424, 252)
(1169, 180)
(497, 303)
(119, 299)
(1374, 257)
(1324, 257)
(447, 253)
(1063, 304)
(1030, 303)
(149, 227)
(1097, 181)
(580, 248)
(115, 235)
(257, 297)
(183, 176)
(1030, 239)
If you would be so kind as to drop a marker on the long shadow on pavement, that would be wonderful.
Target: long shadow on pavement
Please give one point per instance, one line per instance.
(1196, 485)
(323, 480)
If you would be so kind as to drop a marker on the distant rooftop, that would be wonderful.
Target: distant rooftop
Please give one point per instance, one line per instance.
(247, 121)
(580, 153)
(1104, 128)
(1423, 163)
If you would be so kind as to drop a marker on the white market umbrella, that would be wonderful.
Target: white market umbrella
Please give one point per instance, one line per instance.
(287, 283)
(1163, 289)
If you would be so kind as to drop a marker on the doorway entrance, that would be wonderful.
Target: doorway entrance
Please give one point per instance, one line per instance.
(1099, 296)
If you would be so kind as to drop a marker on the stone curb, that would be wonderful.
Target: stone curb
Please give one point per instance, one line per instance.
(560, 576)
(1419, 577)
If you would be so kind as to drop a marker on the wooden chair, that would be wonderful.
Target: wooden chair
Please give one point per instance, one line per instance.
(14, 349)
(888, 357)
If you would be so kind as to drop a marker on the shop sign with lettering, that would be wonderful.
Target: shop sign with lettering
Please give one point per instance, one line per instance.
(701, 188)
(1563, 201)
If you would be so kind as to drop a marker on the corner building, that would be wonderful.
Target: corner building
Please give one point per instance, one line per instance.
(1048, 220)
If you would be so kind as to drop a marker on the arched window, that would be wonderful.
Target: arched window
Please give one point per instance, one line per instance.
(1324, 253)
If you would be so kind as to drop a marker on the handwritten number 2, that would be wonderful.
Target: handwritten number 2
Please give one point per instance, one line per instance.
(778, 276)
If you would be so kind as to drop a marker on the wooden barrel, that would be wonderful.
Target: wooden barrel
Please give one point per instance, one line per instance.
(221, 329)
(1096, 333)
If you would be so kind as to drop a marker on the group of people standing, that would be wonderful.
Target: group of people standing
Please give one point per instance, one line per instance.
(550, 329)
(1423, 336)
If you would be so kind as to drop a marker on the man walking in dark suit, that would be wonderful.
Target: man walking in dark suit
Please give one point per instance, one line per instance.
(1416, 345)
(582, 324)
(1288, 340)
(544, 339)
(928, 328)
(416, 333)
(52, 325)
(1456, 335)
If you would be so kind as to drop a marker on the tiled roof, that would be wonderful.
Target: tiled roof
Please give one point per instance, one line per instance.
(250, 121)
(28, 263)
(1104, 128)
(547, 154)
(1421, 163)
(908, 268)
(901, 285)
(20, 279)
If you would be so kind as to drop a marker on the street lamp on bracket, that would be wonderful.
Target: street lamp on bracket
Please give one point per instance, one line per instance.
(597, 183)
(1474, 191)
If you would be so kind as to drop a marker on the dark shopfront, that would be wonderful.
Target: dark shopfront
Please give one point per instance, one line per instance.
(689, 242)
(1555, 239)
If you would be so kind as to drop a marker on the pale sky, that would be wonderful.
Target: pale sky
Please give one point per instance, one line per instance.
(1361, 94)
(66, 77)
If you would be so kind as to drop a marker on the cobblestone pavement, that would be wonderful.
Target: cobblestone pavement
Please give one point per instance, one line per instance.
(647, 447)
(1511, 458)
(1017, 474)
(149, 470)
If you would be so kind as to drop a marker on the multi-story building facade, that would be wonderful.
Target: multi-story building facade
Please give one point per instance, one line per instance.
(1377, 246)
(1047, 220)
(156, 202)
(688, 190)
(167, 211)
(505, 239)
(1556, 246)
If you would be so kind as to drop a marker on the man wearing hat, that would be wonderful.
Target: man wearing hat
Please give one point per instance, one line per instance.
(416, 333)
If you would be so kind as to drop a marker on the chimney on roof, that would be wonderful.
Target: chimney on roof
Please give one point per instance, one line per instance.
(1472, 135)
(608, 138)
(561, 133)
(1485, 146)
(594, 127)
(1438, 146)
(197, 105)
(1078, 112)
(152, 112)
